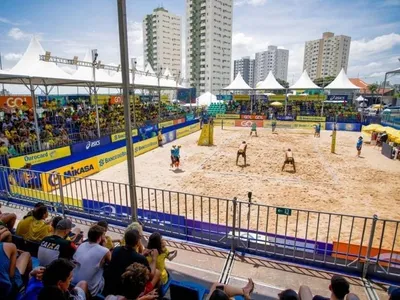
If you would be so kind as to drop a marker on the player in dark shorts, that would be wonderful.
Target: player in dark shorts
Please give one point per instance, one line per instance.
(253, 129)
(289, 159)
(273, 124)
(242, 152)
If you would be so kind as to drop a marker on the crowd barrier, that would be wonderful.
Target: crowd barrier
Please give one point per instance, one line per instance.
(367, 246)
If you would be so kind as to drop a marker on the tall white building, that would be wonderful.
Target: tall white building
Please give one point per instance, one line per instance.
(208, 44)
(162, 40)
(245, 66)
(327, 56)
(275, 60)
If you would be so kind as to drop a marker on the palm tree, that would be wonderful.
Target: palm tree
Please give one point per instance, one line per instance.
(373, 88)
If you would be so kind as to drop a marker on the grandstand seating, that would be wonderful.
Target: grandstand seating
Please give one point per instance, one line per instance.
(216, 108)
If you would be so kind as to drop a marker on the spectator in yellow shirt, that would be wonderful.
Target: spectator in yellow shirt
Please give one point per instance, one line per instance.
(25, 223)
(39, 228)
(3, 149)
(108, 241)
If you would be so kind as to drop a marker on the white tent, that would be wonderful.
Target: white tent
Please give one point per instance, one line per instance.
(269, 83)
(238, 84)
(361, 99)
(341, 82)
(304, 83)
(206, 99)
(86, 74)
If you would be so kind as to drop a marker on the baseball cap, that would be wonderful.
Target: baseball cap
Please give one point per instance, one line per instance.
(288, 295)
(64, 224)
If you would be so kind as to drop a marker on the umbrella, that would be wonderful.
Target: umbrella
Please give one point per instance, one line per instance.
(276, 104)
(373, 127)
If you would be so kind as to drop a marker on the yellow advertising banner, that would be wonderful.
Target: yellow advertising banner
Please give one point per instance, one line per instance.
(145, 146)
(307, 97)
(80, 169)
(311, 118)
(226, 122)
(166, 124)
(181, 132)
(164, 98)
(101, 99)
(121, 136)
(273, 98)
(227, 116)
(39, 157)
(241, 97)
(293, 125)
(111, 158)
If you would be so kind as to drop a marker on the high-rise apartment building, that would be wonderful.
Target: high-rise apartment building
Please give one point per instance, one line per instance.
(245, 66)
(326, 56)
(275, 60)
(208, 44)
(162, 41)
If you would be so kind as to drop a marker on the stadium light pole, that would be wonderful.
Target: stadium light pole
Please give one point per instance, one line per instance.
(159, 93)
(94, 60)
(123, 44)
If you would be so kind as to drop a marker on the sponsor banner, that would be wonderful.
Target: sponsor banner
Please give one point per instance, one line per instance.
(43, 196)
(165, 98)
(69, 173)
(89, 145)
(248, 123)
(146, 98)
(189, 117)
(111, 158)
(166, 124)
(227, 116)
(168, 137)
(181, 132)
(145, 146)
(224, 97)
(337, 97)
(285, 118)
(116, 99)
(121, 136)
(253, 117)
(344, 126)
(293, 125)
(241, 97)
(62, 99)
(101, 99)
(39, 157)
(179, 121)
(16, 101)
(311, 118)
(381, 256)
(273, 98)
(307, 97)
(225, 122)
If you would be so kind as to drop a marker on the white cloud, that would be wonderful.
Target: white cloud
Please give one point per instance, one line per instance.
(135, 33)
(249, 2)
(376, 45)
(13, 56)
(18, 34)
(8, 21)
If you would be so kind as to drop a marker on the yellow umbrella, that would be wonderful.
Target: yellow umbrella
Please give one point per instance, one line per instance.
(377, 106)
(276, 103)
(373, 127)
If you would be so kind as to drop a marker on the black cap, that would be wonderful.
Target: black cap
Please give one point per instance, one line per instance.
(288, 295)
(64, 224)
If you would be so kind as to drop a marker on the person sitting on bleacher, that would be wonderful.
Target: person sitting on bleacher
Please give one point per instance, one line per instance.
(122, 257)
(339, 288)
(90, 258)
(221, 291)
(25, 223)
(108, 241)
(142, 241)
(12, 269)
(39, 228)
(56, 282)
(56, 246)
(133, 284)
(8, 220)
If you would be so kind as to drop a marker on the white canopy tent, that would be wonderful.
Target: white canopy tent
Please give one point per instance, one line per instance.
(304, 83)
(206, 99)
(341, 82)
(269, 83)
(238, 84)
(361, 99)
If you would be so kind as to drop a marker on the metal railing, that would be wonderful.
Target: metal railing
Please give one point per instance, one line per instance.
(369, 246)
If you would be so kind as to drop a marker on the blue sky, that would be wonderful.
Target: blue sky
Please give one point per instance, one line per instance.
(70, 27)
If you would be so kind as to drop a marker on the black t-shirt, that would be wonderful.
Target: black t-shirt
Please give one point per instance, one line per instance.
(54, 247)
(121, 258)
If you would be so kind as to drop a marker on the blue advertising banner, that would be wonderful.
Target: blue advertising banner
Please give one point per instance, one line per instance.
(77, 98)
(189, 117)
(285, 118)
(343, 126)
(90, 145)
(224, 97)
(148, 131)
(146, 98)
(337, 98)
(168, 137)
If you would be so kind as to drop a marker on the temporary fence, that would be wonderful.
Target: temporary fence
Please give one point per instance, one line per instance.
(369, 246)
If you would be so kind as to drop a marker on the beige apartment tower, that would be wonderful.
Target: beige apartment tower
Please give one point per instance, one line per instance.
(327, 56)
(162, 41)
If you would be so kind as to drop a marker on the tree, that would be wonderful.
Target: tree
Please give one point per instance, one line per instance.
(324, 81)
(373, 88)
(283, 83)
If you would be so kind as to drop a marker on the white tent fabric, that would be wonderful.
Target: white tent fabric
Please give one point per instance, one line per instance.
(30, 64)
(341, 82)
(269, 83)
(304, 82)
(206, 99)
(86, 74)
(361, 99)
(238, 84)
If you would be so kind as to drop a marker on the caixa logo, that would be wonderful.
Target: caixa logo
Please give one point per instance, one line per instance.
(92, 144)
